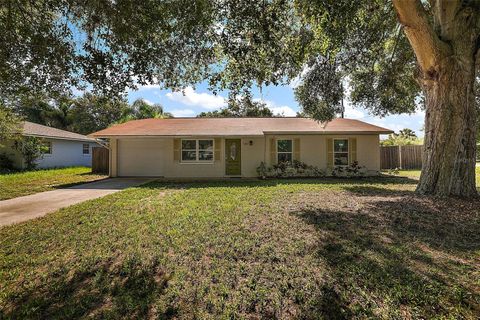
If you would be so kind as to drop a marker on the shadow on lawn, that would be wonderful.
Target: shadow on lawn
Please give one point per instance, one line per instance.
(111, 289)
(254, 183)
(408, 253)
(74, 184)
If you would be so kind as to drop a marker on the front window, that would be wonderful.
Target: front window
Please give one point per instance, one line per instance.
(86, 148)
(340, 152)
(197, 150)
(284, 151)
(47, 147)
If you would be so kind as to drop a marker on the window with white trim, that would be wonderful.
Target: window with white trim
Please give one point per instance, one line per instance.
(47, 147)
(86, 148)
(284, 150)
(197, 150)
(340, 152)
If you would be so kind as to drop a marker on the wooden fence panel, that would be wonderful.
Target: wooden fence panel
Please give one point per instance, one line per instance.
(100, 160)
(412, 157)
(404, 157)
(389, 157)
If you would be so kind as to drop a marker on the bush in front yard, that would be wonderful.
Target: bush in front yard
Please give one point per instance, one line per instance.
(6, 164)
(298, 169)
(351, 171)
(295, 169)
(32, 149)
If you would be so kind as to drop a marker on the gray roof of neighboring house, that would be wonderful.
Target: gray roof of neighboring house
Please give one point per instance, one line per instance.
(38, 130)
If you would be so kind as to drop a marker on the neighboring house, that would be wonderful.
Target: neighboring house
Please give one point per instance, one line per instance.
(235, 147)
(64, 148)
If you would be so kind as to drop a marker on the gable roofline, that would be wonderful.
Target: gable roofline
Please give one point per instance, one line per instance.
(31, 129)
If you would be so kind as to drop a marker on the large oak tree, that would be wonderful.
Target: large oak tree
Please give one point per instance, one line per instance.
(393, 56)
(447, 48)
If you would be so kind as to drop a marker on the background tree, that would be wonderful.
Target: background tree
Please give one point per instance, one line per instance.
(141, 109)
(391, 56)
(10, 127)
(243, 106)
(52, 112)
(84, 114)
(91, 112)
(403, 138)
(408, 133)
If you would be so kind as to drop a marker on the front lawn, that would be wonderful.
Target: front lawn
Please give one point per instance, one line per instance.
(306, 249)
(415, 174)
(24, 183)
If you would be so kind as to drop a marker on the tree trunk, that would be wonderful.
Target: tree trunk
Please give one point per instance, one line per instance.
(450, 130)
(445, 39)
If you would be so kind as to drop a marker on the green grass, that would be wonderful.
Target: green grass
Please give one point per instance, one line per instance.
(24, 183)
(305, 249)
(415, 174)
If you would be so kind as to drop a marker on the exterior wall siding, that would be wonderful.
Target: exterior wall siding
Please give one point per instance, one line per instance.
(155, 156)
(313, 149)
(65, 153)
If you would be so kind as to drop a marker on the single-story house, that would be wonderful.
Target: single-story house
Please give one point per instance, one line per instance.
(235, 147)
(63, 148)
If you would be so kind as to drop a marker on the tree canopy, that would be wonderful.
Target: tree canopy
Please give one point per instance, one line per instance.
(234, 44)
(9, 125)
(243, 106)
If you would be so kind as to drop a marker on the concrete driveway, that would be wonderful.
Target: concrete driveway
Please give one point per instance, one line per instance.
(36, 205)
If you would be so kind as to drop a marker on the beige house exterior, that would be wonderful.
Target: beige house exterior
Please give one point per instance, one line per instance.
(235, 147)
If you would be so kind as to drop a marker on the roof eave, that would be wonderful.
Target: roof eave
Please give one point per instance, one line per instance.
(109, 136)
(59, 138)
(327, 132)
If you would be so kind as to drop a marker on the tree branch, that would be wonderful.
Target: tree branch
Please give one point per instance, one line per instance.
(428, 48)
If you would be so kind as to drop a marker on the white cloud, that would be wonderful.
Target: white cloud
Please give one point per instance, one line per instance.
(191, 98)
(419, 112)
(295, 82)
(150, 103)
(183, 112)
(285, 111)
(76, 92)
(353, 113)
(141, 87)
(388, 124)
(147, 87)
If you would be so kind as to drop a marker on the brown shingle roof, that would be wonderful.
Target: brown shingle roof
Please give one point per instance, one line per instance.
(237, 127)
(38, 130)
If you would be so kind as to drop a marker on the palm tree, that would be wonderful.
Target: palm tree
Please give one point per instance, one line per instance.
(141, 109)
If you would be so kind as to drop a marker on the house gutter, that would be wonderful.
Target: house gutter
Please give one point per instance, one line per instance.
(103, 143)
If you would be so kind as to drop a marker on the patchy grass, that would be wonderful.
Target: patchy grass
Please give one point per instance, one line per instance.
(415, 174)
(24, 183)
(305, 249)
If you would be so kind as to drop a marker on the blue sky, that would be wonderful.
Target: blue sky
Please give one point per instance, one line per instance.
(280, 99)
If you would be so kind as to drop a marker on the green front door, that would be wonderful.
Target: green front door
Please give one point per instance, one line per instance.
(233, 157)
